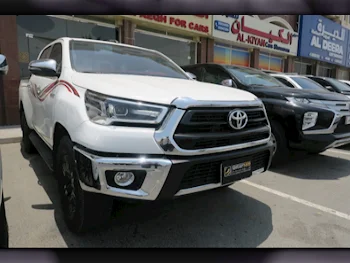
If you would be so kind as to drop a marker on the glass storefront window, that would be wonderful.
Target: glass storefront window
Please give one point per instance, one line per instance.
(302, 68)
(182, 52)
(231, 56)
(269, 62)
(343, 74)
(324, 71)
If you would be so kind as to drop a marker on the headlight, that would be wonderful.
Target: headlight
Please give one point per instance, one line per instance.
(310, 119)
(105, 110)
(298, 100)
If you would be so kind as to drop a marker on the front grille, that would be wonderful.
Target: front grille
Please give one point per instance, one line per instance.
(342, 127)
(209, 173)
(209, 128)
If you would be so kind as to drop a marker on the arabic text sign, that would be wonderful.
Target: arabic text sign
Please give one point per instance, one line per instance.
(199, 24)
(322, 39)
(254, 32)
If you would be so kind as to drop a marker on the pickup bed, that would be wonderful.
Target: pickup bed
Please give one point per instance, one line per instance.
(118, 121)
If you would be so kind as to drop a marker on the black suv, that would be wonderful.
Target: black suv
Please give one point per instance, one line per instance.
(300, 119)
(331, 84)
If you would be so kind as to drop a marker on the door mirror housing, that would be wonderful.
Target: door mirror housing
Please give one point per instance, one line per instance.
(227, 83)
(43, 67)
(191, 76)
(3, 65)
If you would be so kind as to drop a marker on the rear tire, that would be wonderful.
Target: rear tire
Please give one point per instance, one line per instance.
(281, 152)
(26, 143)
(4, 230)
(82, 210)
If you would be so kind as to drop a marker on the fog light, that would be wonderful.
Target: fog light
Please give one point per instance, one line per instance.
(310, 119)
(124, 178)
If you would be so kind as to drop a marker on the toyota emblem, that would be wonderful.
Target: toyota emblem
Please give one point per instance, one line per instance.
(237, 119)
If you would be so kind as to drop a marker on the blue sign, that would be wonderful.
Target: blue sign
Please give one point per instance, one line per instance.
(323, 39)
(221, 26)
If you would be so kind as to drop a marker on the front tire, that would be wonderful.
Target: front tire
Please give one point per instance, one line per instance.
(82, 210)
(27, 144)
(281, 150)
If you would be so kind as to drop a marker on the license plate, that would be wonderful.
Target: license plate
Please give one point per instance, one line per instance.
(235, 171)
(347, 120)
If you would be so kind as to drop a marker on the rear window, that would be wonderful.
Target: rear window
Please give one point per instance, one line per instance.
(308, 84)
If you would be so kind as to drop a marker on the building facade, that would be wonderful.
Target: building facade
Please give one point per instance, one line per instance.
(323, 47)
(183, 38)
(270, 43)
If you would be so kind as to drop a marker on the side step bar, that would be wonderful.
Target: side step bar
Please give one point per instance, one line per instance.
(44, 151)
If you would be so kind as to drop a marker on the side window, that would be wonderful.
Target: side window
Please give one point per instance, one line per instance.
(324, 84)
(285, 82)
(56, 54)
(45, 53)
(215, 75)
(196, 71)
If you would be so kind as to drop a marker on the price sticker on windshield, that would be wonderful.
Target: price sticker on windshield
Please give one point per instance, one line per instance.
(347, 120)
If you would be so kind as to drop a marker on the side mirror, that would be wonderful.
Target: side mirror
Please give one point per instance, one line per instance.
(192, 76)
(3, 65)
(227, 83)
(44, 68)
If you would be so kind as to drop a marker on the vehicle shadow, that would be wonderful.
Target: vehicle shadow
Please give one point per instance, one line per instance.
(218, 218)
(319, 167)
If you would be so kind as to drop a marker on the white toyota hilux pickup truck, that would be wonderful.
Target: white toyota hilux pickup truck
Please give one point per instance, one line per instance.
(118, 121)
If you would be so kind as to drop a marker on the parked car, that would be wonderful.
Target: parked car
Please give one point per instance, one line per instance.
(114, 120)
(347, 82)
(298, 82)
(332, 85)
(309, 120)
(4, 232)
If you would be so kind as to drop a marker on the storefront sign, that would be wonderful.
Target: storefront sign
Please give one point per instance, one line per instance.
(253, 32)
(197, 24)
(323, 39)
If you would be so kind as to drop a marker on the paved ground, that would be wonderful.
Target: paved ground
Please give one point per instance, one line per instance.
(304, 204)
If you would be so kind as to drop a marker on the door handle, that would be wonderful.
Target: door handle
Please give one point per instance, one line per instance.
(52, 95)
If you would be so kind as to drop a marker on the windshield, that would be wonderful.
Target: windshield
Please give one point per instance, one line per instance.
(104, 58)
(308, 84)
(251, 77)
(340, 86)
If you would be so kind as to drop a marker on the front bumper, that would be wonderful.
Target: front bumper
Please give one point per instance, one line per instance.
(322, 142)
(163, 177)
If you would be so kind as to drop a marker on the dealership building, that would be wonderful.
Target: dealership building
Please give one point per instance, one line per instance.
(263, 42)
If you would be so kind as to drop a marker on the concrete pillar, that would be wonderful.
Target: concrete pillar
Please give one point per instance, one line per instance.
(127, 32)
(254, 58)
(210, 50)
(289, 64)
(9, 113)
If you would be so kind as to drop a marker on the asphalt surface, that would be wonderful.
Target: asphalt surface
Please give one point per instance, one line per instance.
(303, 204)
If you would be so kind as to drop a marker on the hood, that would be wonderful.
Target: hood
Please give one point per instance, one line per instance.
(282, 93)
(157, 89)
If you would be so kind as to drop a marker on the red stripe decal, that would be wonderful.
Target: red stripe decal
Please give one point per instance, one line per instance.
(48, 89)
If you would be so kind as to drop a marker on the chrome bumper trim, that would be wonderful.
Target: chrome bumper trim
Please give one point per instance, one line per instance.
(339, 143)
(157, 172)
